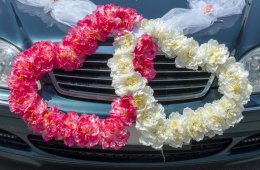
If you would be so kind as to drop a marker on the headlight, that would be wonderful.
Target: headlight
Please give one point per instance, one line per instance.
(7, 54)
(252, 64)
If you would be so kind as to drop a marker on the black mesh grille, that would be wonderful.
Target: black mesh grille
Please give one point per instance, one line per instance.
(132, 153)
(10, 140)
(92, 81)
(251, 143)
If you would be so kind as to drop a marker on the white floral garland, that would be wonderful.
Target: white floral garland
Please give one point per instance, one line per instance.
(212, 118)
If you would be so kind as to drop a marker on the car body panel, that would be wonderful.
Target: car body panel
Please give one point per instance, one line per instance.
(34, 156)
(23, 29)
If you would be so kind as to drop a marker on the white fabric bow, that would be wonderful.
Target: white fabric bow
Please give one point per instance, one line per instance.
(202, 13)
(67, 12)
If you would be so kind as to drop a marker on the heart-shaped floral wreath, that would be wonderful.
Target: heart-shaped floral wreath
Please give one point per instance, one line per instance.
(131, 69)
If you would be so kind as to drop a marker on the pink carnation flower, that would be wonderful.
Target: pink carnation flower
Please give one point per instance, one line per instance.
(113, 133)
(124, 110)
(145, 52)
(88, 131)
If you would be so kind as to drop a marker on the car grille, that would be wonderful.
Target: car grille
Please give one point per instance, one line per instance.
(93, 81)
(132, 153)
(251, 143)
(10, 140)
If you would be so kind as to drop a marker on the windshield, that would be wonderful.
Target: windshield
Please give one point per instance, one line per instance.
(148, 8)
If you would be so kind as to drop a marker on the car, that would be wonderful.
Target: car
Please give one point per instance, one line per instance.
(89, 90)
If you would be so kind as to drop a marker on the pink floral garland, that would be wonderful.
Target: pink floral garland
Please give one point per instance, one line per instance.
(145, 51)
(84, 130)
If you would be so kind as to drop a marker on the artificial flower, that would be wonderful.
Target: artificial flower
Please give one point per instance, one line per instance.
(214, 55)
(127, 84)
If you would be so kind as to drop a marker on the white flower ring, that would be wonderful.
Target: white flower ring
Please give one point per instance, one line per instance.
(179, 129)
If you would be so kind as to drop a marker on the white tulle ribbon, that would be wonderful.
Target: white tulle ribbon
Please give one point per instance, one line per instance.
(67, 12)
(202, 14)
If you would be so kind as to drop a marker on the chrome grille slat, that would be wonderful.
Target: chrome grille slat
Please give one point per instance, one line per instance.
(110, 79)
(158, 72)
(93, 80)
(85, 78)
(105, 62)
(93, 70)
(87, 85)
(181, 79)
(178, 88)
(111, 88)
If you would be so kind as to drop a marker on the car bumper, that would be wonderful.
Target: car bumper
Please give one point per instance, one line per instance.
(249, 126)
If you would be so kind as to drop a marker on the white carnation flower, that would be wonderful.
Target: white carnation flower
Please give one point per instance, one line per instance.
(147, 141)
(151, 140)
(168, 42)
(186, 54)
(143, 98)
(157, 135)
(177, 131)
(154, 27)
(233, 110)
(195, 124)
(166, 47)
(214, 119)
(121, 64)
(233, 81)
(125, 43)
(148, 118)
(214, 55)
(127, 84)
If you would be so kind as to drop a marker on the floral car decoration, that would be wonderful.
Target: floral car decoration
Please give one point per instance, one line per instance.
(131, 69)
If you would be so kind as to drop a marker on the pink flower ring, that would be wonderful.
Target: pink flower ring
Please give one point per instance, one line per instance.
(30, 66)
